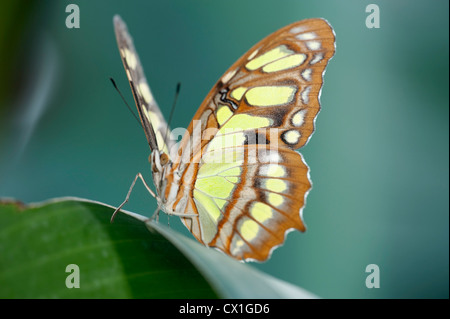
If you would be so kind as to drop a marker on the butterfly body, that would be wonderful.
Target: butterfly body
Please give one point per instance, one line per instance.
(235, 179)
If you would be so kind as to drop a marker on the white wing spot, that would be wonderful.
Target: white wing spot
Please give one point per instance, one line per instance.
(296, 30)
(270, 156)
(305, 95)
(317, 58)
(306, 36)
(251, 56)
(228, 76)
(130, 58)
(291, 137)
(313, 45)
(306, 74)
(272, 170)
(299, 118)
(146, 93)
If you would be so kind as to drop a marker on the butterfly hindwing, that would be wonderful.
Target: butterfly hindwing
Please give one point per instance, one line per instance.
(245, 205)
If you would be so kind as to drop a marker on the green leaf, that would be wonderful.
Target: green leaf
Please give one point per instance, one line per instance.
(130, 258)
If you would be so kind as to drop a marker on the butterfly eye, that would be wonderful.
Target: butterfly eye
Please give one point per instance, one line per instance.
(164, 159)
(155, 161)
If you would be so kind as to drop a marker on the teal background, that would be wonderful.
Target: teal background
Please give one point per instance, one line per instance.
(379, 157)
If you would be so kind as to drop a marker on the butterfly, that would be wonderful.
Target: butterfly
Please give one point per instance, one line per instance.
(235, 178)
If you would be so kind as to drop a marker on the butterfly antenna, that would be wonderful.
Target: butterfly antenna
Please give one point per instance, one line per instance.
(123, 99)
(177, 93)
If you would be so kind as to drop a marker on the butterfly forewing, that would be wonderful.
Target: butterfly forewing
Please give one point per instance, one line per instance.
(279, 78)
(152, 120)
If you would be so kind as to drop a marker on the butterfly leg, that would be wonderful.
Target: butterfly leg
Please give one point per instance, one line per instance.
(139, 175)
(155, 215)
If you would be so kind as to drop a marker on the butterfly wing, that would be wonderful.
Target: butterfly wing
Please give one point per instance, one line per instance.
(239, 171)
(152, 120)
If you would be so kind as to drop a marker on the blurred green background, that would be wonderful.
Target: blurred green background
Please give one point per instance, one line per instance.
(379, 157)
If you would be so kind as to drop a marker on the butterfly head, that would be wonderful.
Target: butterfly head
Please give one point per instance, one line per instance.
(160, 162)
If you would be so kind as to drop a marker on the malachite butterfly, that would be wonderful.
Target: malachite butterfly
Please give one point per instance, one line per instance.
(235, 179)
